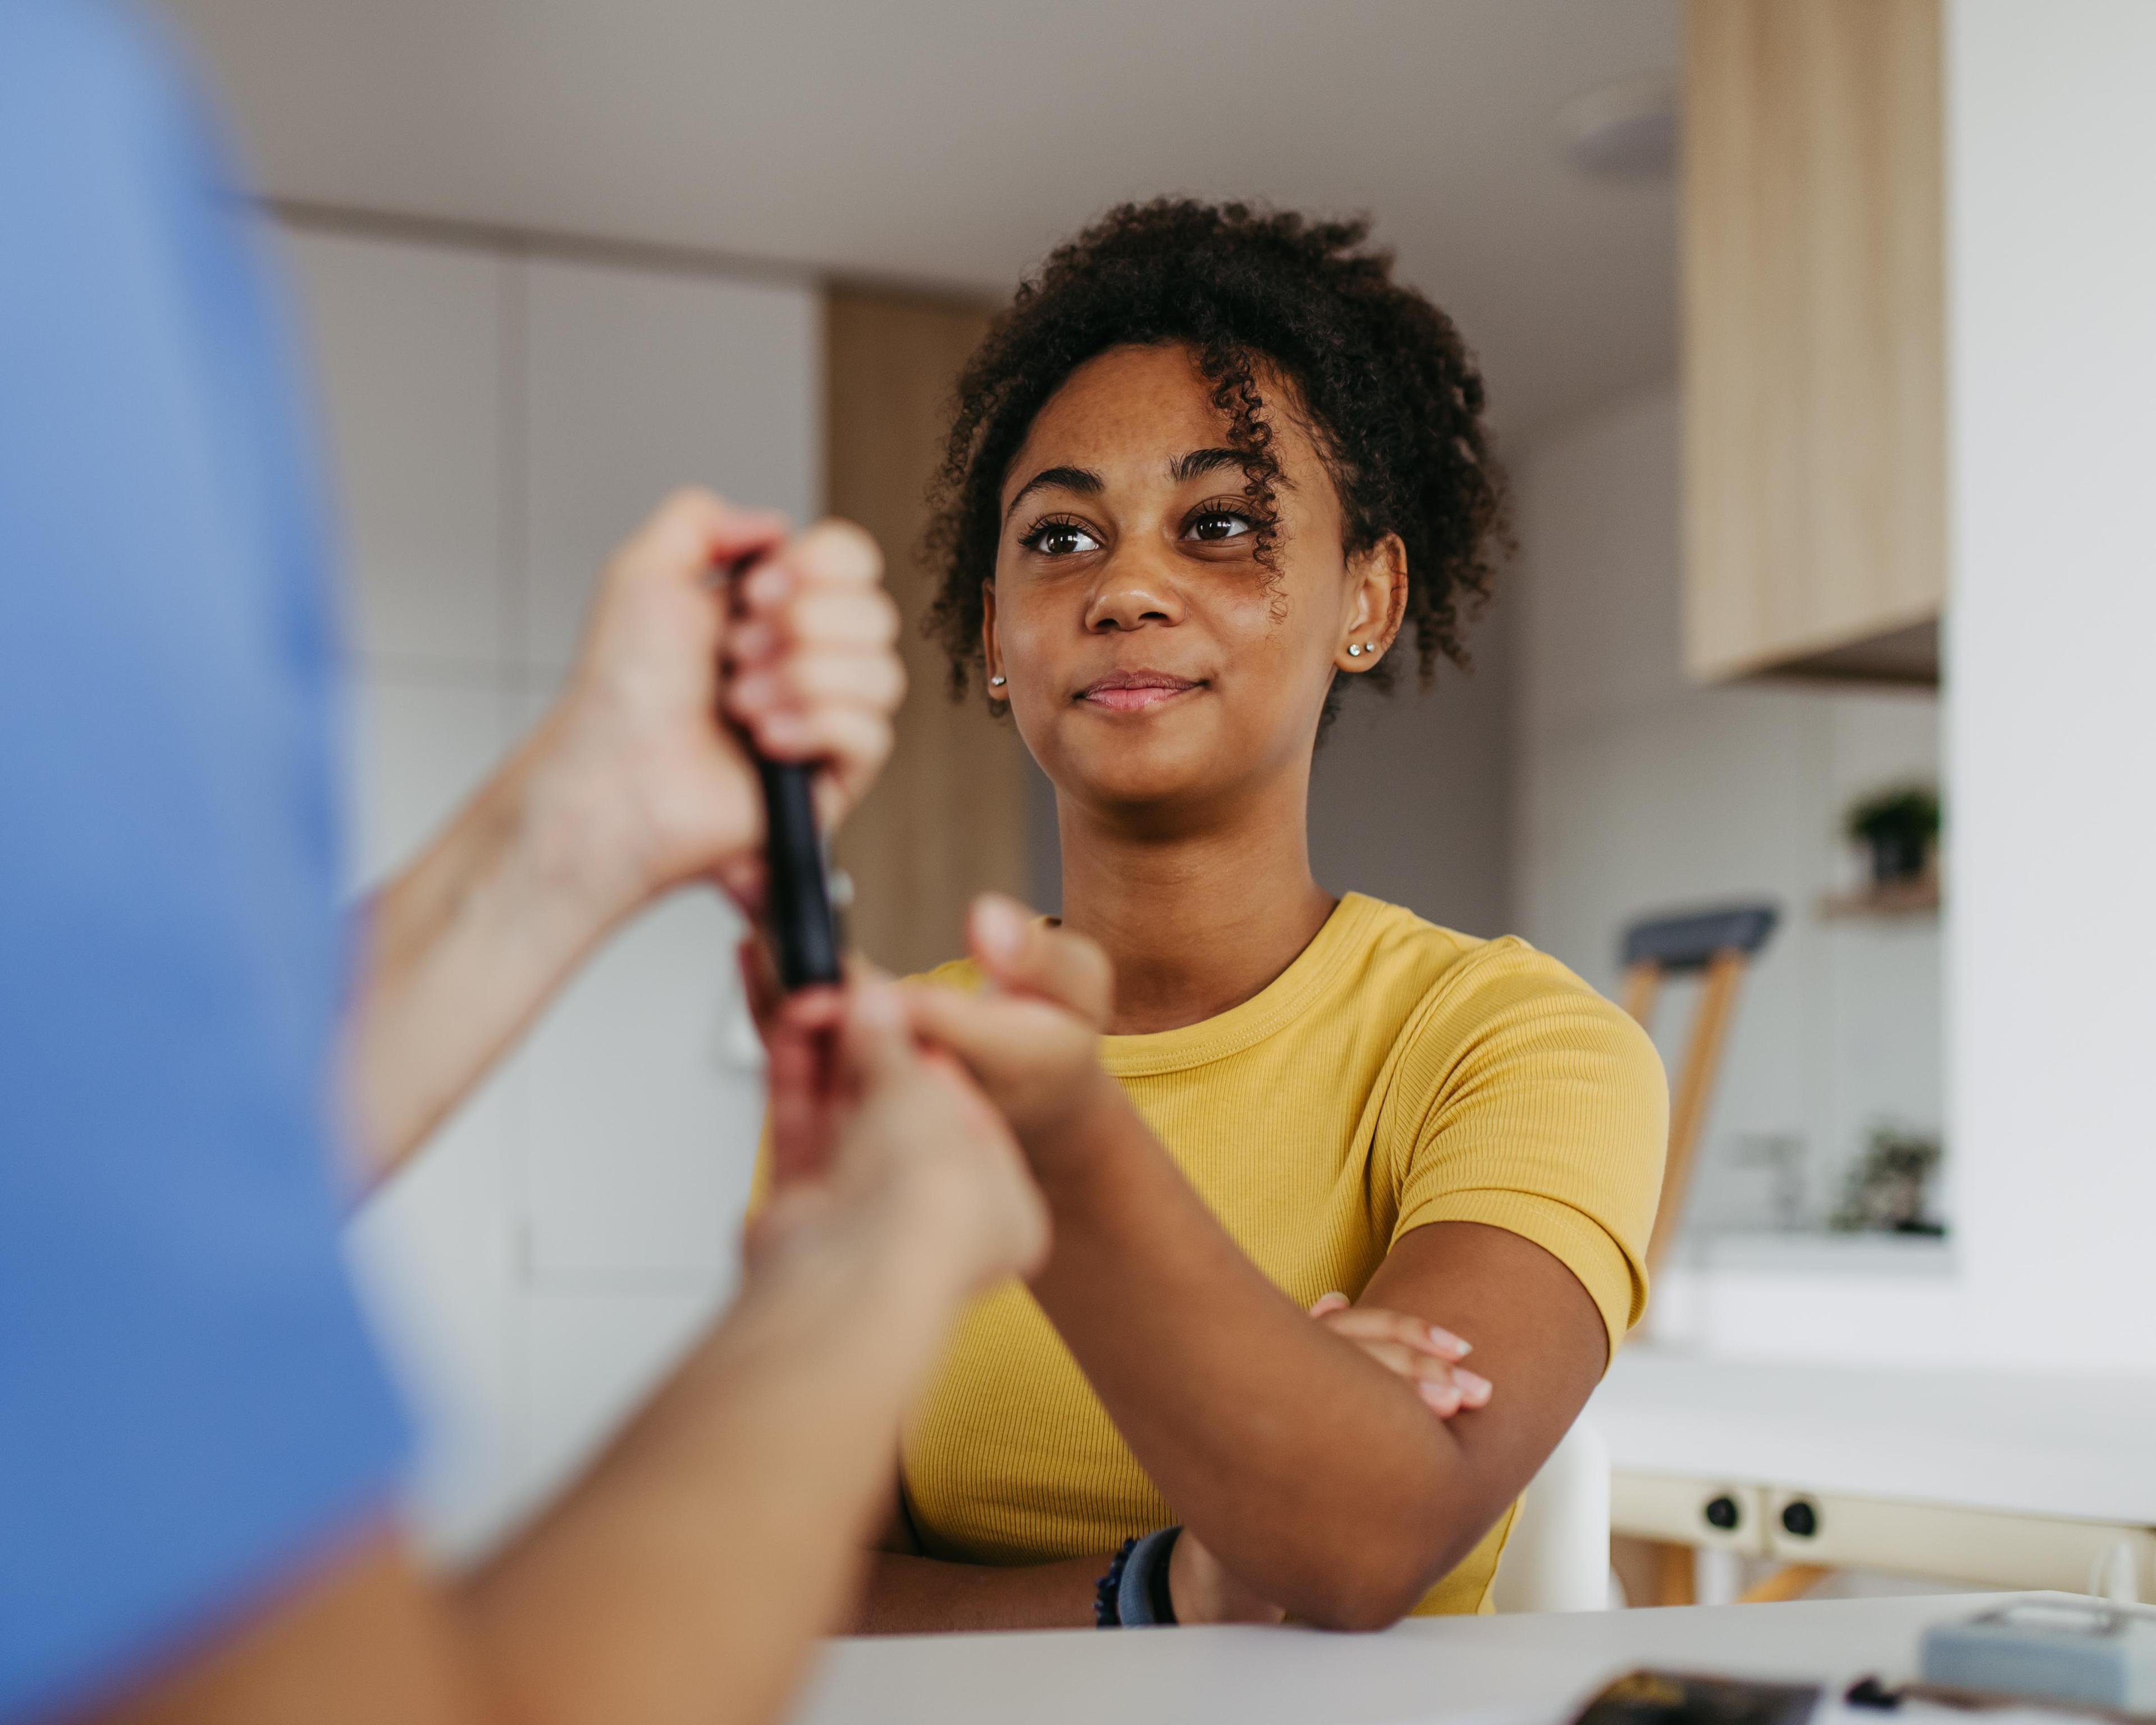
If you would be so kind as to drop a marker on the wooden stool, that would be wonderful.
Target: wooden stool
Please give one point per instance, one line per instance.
(1720, 944)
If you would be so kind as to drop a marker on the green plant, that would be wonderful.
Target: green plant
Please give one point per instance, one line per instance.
(1888, 1189)
(1905, 814)
(1898, 826)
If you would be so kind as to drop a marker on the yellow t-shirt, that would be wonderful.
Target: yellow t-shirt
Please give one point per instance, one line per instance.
(1395, 1074)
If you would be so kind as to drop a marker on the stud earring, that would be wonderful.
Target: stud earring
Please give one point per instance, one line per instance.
(1354, 651)
(998, 682)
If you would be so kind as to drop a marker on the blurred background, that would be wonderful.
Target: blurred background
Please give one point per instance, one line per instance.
(1751, 285)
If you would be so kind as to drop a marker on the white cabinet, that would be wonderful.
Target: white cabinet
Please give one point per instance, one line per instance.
(496, 422)
(408, 345)
(639, 381)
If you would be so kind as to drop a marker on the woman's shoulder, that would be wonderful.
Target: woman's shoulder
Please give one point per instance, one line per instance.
(1465, 984)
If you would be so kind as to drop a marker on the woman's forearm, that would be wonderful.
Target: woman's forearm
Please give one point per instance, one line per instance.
(912, 1595)
(1231, 1397)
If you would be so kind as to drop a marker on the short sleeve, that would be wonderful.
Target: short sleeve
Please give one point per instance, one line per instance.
(190, 1406)
(1534, 1105)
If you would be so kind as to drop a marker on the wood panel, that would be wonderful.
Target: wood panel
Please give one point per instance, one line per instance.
(947, 819)
(1814, 345)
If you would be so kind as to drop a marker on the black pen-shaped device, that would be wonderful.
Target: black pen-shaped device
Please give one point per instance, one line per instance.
(797, 900)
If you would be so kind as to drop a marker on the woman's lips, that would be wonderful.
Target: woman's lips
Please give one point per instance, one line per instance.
(1130, 692)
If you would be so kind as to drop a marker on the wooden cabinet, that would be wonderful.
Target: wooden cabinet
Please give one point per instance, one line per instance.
(947, 819)
(1814, 340)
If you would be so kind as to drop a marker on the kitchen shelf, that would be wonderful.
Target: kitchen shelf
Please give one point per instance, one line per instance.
(1904, 898)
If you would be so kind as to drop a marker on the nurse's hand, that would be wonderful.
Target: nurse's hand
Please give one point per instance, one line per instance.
(645, 787)
(1032, 1037)
(919, 1163)
(634, 784)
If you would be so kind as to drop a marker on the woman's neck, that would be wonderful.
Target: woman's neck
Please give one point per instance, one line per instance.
(1196, 921)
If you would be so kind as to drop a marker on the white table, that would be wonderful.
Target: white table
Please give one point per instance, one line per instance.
(1482, 1670)
(2014, 1480)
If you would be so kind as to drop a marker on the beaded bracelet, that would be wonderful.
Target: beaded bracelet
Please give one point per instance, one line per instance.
(1106, 1590)
(1135, 1591)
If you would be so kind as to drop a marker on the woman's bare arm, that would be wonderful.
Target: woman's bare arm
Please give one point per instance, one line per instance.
(1225, 1392)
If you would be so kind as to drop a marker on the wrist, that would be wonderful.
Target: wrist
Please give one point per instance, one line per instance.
(582, 844)
(1072, 1149)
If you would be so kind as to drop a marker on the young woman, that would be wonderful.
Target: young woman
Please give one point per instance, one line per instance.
(1205, 472)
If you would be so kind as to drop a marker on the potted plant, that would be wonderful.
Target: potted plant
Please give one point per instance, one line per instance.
(1898, 829)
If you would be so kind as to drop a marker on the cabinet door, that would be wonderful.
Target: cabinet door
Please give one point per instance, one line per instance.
(1814, 337)
(947, 819)
(408, 348)
(639, 380)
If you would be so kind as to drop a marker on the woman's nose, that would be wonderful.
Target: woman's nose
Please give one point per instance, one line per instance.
(1132, 591)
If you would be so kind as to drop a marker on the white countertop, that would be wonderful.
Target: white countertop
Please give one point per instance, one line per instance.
(2080, 1447)
(1473, 1671)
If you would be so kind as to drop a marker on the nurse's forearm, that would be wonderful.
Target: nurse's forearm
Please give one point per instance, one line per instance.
(1316, 1476)
(463, 948)
(685, 1577)
(911, 1595)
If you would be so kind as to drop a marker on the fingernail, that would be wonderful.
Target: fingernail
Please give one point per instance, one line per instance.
(1442, 1398)
(876, 1005)
(1472, 1384)
(999, 927)
(769, 584)
(1452, 1344)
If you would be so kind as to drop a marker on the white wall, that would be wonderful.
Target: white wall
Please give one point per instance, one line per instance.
(1409, 795)
(2052, 710)
(1636, 792)
(497, 421)
(2049, 714)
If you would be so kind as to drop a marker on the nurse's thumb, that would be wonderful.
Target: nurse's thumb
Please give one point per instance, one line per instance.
(878, 1042)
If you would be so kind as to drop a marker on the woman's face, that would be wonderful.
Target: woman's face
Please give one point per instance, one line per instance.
(1155, 665)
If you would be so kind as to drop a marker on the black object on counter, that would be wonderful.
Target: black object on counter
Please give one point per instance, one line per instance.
(1645, 1697)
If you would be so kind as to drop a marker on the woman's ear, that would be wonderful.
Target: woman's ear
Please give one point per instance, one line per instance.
(1377, 603)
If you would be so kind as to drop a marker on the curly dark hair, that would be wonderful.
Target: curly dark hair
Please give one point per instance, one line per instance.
(1382, 382)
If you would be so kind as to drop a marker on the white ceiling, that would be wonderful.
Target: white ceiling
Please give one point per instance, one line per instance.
(951, 142)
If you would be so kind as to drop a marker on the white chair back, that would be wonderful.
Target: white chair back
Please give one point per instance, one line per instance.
(1557, 1557)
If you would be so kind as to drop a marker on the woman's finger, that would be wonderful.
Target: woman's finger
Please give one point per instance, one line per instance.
(1327, 1304)
(1375, 1322)
(1027, 957)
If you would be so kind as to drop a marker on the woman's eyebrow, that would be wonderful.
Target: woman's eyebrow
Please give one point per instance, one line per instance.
(1199, 461)
(1082, 479)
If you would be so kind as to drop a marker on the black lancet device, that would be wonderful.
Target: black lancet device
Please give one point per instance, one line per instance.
(797, 900)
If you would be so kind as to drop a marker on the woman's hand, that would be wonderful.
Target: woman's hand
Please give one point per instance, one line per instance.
(1032, 1037)
(643, 787)
(1427, 1357)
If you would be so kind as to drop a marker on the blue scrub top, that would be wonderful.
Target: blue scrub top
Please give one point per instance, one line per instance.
(190, 1410)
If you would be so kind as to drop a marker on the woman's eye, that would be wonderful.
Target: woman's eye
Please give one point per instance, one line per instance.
(1217, 523)
(1060, 539)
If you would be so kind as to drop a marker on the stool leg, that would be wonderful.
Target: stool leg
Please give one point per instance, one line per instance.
(1792, 1581)
(1695, 1089)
